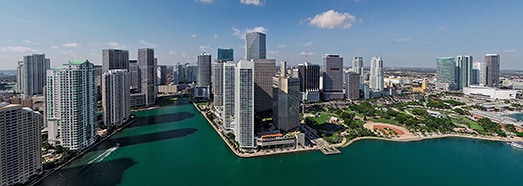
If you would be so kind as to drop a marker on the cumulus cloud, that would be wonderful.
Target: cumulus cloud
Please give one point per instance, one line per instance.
(143, 42)
(71, 45)
(252, 2)
(331, 19)
(20, 49)
(204, 1)
(30, 42)
(240, 33)
(306, 53)
(116, 45)
(404, 39)
(194, 36)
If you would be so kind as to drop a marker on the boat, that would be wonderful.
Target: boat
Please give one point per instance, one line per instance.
(518, 145)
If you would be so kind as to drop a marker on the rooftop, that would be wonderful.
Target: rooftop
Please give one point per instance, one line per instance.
(78, 61)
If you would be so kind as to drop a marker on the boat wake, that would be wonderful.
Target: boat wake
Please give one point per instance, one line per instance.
(104, 154)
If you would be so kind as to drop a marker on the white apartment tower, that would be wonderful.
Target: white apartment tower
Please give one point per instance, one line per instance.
(376, 74)
(116, 97)
(217, 84)
(20, 144)
(228, 95)
(71, 105)
(357, 67)
(244, 105)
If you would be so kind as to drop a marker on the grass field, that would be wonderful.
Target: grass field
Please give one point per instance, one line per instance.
(470, 123)
(323, 118)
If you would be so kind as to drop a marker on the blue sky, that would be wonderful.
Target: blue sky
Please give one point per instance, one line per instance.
(406, 33)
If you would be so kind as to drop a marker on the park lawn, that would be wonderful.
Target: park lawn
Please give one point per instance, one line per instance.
(472, 124)
(383, 120)
(324, 117)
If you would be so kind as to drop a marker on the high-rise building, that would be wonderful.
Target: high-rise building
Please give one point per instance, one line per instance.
(332, 78)
(309, 75)
(264, 70)
(217, 84)
(71, 105)
(33, 74)
(180, 68)
(376, 74)
(357, 67)
(446, 73)
(229, 70)
(135, 73)
(161, 75)
(286, 103)
(479, 74)
(98, 81)
(191, 73)
(20, 142)
(244, 107)
(255, 46)
(492, 68)
(225, 54)
(352, 85)
(204, 69)
(114, 59)
(19, 77)
(147, 65)
(116, 98)
(463, 71)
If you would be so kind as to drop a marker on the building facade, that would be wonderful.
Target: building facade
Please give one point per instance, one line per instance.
(217, 84)
(264, 70)
(286, 103)
(229, 70)
(463, 71)
(492, 68)
(244, 105)
(147, 65)
(225, 54)
(309, 76)
(445, 73)
(136, 76)
(71, 105)
(204, 69)
(255, 46)
(479, 74)
(33, 73)
(357, 67)
(376, 74)
(332, 78)
(20, 144)
(116, 98)
(352, 85)
(114, 59)
(161, 75)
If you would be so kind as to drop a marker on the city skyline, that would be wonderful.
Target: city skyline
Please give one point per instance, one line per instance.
(295, 32)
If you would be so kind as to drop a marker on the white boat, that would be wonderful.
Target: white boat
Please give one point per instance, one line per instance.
(518, 145)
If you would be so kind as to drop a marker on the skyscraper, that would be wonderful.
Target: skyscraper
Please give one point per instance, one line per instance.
(492, 68)
(217, 84)
(244, 107)
(479, 73)
(161, 75)
(357, 67)
(116, 100)
(229, 70)
(309, 75)
(20, 152)
(376, 74)
(286, 103)
(352, 85)
(255, 46)
(19, 77)
(446, 73)
(71, 105)
(204, 69)
(463, 71)
(332, 77)
(225, 54)
(135, 74)
(191, 73)
(33, 74)
(147, 66)
(264, 70)
(114, 59)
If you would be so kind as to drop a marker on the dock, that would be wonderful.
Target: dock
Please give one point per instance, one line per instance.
(330, 150)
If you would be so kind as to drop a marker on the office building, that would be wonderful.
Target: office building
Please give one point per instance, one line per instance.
(147, 65)
(204, 69)
(332, 78)
(98, 81)
(264, 70)
(33, 74)
(161, 75)
(357, 67)
(376, 74)
(463, 71)
(352, 85)
(135, 73)
(116, 98)
(244, 107)
(286, 103)
(492, 68)
(71, 105)
(217, 84)
(19, 77)
(229, 70)
(191, 73)
(445, 73)
(479, 73)
(114, 59)
(309, 76)
(180, 71)
(225, 54)
(255, 46)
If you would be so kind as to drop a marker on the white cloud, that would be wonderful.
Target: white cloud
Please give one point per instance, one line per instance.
(306, 53)
(215, 36)
(30, 42)
(273, 52)
(510, 51)
(241, 33)
(281, 46)
(142, 42)
(20, 49)
(116, 45)
(54, 47)
(205, 48)
(194, 36)
(308, 44)
(204, 1)
(404, 39)
(331, 19)
(252, 2)
(172, 52)
(71, 45)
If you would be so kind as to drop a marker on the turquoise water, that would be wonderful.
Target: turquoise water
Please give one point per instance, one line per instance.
(175, 146)
(517, 116)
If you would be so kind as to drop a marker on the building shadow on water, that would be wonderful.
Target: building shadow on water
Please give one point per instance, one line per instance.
(100, 173)
(145, 138)
(161, 119)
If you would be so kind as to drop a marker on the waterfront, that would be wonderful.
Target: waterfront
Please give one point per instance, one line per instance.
(176, 146)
